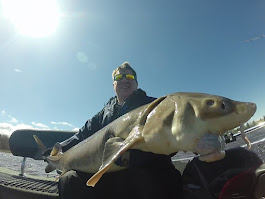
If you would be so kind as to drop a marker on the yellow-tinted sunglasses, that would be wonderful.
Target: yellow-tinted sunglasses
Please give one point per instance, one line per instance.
(121, 76)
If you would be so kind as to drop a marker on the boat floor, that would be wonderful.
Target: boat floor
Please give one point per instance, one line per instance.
(15, 186)
(12, 185)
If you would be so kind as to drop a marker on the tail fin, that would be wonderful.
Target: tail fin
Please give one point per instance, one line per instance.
(40, 144)
(54, 152)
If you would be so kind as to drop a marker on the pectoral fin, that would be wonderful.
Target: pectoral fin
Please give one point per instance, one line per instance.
(49, 168)
(114, 148)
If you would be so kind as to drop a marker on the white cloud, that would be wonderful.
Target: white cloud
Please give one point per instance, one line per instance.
(12, 119)
(40, 125)
(8, 129)
(76, 129)
(62, 123)
(12, 124)
(17, 70)
(3, 112)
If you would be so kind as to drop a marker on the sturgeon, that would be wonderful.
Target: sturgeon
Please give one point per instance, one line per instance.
(176, 122)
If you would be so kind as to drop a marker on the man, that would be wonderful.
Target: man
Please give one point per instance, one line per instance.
(148, 175)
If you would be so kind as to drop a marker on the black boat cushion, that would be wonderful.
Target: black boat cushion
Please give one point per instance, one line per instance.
(22, 143)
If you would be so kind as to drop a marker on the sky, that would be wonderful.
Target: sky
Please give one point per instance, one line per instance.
(55, 72)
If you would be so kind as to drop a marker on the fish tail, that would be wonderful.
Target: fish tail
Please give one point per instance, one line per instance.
(40, 143)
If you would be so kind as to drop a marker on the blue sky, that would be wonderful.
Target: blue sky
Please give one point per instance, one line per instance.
(60, 80)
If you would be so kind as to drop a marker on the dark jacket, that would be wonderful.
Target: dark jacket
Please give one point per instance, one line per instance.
(111, 112)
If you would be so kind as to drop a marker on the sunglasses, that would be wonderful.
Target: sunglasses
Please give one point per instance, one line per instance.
(121, 76)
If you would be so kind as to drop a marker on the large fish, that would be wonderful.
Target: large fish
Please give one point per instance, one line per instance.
(176, 122)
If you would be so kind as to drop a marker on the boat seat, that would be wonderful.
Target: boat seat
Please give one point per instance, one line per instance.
(241, 174)
(22, 143)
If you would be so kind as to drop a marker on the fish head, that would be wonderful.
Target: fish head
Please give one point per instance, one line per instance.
(213, 116)
(194, 122)
(219, 114)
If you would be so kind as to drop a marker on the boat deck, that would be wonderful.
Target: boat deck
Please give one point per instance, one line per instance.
(12, 185)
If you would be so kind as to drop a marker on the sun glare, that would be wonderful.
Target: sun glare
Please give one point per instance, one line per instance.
(35, 18)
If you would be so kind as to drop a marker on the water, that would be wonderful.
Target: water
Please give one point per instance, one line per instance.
(33, 167)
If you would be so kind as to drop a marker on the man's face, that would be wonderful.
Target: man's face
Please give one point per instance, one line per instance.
(124, 88)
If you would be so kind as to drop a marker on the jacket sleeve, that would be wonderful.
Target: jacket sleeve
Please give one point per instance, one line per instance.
(91, 126)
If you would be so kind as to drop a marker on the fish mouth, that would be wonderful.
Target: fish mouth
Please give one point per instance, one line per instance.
(211, 148)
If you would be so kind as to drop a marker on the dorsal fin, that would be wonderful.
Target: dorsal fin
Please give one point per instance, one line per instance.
(151, 106)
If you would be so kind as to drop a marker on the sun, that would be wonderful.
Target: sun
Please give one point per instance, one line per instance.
(35, 18)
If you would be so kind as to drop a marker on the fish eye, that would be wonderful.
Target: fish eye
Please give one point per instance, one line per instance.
(210, 102)
(223, 106)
